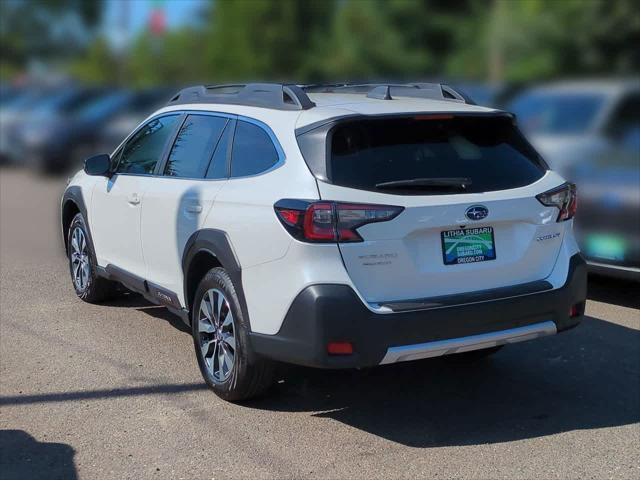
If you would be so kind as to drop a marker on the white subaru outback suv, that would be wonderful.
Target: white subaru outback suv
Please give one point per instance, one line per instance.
(332, 226)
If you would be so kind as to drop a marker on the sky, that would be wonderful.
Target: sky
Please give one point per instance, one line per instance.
(177, 13)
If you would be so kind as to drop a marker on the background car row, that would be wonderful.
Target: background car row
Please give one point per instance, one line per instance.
(51, 129)
(588, 130)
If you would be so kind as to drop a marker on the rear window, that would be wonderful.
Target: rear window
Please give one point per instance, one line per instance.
(488, 152)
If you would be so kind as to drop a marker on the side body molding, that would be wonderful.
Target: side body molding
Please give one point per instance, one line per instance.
(216, 243)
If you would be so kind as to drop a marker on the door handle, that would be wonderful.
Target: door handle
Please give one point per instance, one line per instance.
(133, 199)
(194, 208)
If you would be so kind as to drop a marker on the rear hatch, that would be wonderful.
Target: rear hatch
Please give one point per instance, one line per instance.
(467, 185)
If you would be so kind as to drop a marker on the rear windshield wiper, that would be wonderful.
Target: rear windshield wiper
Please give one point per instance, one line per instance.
(460, 183)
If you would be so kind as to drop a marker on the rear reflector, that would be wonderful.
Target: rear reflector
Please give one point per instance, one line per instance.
(290, 217)
(574, 311)
(339, 348)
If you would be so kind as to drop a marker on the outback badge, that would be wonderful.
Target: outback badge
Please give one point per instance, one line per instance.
(476, 212)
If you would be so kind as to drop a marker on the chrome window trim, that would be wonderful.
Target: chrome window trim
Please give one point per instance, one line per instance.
(259, 123)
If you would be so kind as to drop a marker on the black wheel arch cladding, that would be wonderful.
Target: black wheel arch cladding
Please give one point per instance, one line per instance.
(215, 243)
(72, 203)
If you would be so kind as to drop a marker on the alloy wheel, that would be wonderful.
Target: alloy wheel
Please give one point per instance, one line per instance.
(216, 332)
(80, 265)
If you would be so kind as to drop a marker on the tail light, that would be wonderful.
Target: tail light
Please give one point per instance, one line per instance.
(330, 221)
(564, 198)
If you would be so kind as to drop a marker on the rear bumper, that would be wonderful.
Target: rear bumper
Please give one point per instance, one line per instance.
(334, 313)
(615, 271)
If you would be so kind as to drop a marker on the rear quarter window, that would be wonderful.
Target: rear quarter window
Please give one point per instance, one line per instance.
(253, 151)
(489, 151)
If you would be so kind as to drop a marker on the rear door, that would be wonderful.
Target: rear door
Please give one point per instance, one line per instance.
(244, 208)
(178, 201)
(467, 185)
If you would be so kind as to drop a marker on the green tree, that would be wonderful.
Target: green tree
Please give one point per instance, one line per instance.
(430, 27)
(265, 39)
(525, 40)
(364, 43)
(97, 65)
(47, 30)
(315, 40)
(172, 58)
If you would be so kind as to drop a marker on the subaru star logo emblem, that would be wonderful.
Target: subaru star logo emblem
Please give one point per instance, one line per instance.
(476, 212)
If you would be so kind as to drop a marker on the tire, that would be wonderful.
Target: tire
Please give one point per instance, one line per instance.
(473, 355)
(221, 337)
(82, 265)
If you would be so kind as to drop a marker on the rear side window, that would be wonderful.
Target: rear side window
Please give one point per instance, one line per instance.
(218, 168)
(142, 152)
(487, 151)
(194, 145)
(253, 150)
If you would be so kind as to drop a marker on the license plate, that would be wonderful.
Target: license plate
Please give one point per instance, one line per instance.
(468, 245)
(609, 247)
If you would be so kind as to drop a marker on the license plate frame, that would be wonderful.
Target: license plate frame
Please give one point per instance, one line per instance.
(468, 245)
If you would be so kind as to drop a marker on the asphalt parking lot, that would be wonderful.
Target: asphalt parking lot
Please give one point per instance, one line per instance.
(113, 391)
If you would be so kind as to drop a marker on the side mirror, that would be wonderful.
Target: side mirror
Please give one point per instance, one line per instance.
(98, 165)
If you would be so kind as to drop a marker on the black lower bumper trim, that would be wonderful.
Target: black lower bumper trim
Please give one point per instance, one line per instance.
(334, 313)
(472, 297)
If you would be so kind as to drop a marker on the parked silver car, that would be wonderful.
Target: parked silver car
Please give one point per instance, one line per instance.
(590, 132)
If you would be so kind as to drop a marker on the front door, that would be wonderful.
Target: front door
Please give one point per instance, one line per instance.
(117, 201)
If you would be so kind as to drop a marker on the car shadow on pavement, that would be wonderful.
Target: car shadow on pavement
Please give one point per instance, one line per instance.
(137, 301)
(23, 457)
(84, 395)
(127, 300)
(163, 314)
(583, 379)
(612, 290)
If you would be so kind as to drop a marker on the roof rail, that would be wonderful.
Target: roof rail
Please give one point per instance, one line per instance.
(268, 95)
(382, 91)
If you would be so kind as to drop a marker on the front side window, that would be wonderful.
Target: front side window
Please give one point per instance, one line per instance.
(194, 146)
(253, 150)
(143, 151)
